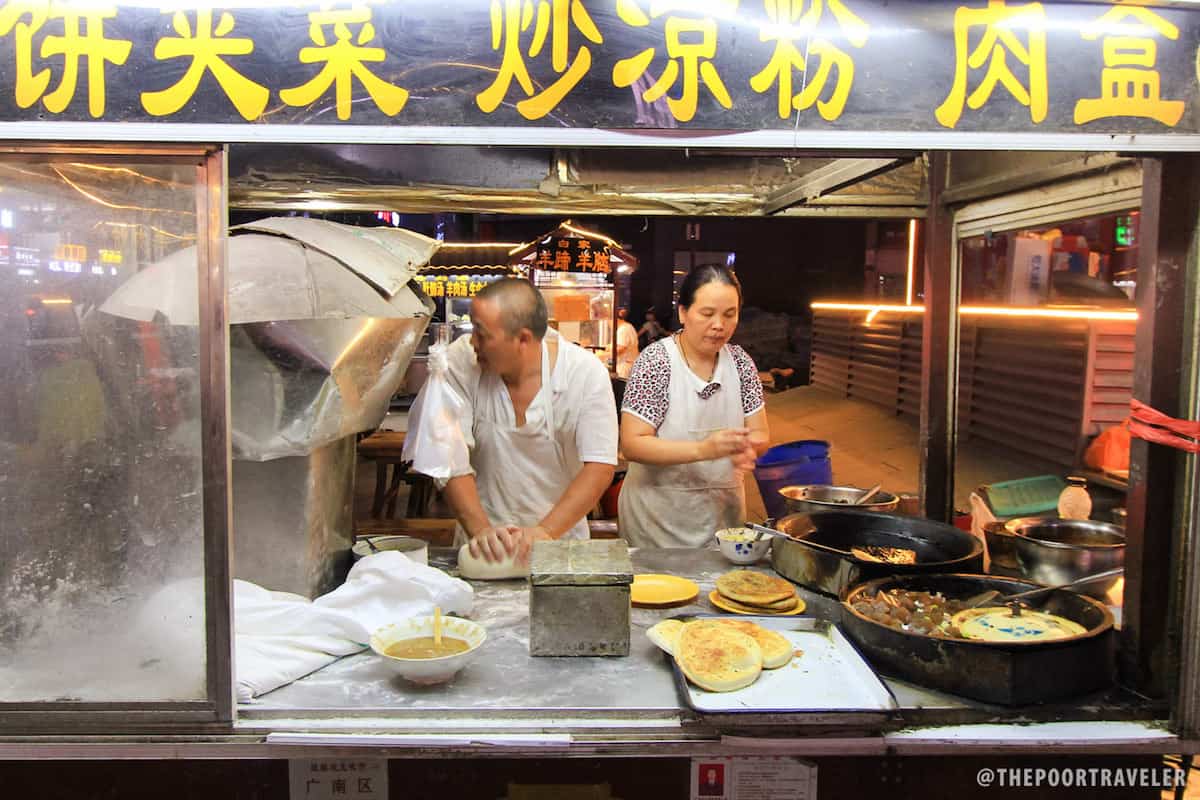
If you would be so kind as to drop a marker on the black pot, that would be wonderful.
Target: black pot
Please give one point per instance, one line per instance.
(801, 557)
(1007, 673)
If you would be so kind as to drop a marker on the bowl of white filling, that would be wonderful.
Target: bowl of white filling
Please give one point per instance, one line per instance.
(741, 546)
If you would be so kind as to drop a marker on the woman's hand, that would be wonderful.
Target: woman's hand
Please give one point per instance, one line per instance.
(745, 460)
(725, 443)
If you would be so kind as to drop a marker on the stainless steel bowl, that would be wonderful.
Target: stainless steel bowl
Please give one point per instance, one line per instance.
(1055, 551)
(817, 497)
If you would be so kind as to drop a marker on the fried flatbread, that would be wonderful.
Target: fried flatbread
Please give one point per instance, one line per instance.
(718, 658)
(754, 588)
(778, 605)
(775, 647)
(746, 608)
(665, 634)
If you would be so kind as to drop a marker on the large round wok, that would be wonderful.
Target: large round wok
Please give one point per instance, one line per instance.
(808, 556)
(1010, 673)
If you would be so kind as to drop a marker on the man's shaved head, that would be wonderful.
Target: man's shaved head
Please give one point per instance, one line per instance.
(520, 306)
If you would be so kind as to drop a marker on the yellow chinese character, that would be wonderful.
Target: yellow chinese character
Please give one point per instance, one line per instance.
(72, 46)
(1000, 23)
(562, 260)
(791, 22)
(691, 44)
(1129, 84)
(435, 288)
(476, 287)
(456, 289)
(511, 18)
(584, 260)
(344, 61)
(206, 48)
(601, 262)
(29, 86)
(545, 259)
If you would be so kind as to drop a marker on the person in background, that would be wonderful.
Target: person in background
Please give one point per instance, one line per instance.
(651, 331)
(540, 423)
(627, 343)
(693, 420)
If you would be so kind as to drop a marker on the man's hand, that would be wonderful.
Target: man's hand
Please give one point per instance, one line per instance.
(528, 536)
(496, 543)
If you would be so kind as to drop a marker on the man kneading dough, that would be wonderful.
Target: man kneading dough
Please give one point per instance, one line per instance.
(540, 423)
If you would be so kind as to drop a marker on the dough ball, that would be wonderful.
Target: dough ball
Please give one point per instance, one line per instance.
(479, 569)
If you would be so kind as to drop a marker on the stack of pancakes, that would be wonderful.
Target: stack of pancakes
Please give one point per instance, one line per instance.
(757, 592)
(721, 655)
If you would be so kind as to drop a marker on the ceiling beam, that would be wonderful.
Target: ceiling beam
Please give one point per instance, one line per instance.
(823, 180)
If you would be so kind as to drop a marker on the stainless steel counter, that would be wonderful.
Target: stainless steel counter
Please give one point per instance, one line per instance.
(505, 676)
(507, 689)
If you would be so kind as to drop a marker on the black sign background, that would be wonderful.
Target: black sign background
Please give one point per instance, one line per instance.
(441, 53)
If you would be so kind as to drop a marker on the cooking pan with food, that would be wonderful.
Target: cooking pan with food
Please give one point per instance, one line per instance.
(929, 652)
(830, 551)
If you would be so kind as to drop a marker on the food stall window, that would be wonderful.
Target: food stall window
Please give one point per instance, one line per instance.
(102, 578)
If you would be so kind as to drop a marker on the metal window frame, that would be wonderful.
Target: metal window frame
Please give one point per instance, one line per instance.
(216, 713)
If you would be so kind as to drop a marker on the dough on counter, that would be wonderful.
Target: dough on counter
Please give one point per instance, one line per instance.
(479, 569)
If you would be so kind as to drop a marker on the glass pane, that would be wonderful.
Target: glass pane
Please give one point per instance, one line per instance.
(101, 544)
(1045, 368)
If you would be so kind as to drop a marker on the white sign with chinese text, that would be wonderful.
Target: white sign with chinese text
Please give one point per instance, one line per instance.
(753, 778)
(338, 778)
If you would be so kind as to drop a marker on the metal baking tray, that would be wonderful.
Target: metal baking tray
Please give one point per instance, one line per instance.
(831, 677)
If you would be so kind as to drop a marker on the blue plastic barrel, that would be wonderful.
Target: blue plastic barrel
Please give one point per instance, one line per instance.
(791, 464)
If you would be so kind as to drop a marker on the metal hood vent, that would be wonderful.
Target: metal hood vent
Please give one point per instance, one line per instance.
(324, 321)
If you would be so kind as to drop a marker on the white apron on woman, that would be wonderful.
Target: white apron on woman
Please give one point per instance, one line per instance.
(522, 472)
(683, 505)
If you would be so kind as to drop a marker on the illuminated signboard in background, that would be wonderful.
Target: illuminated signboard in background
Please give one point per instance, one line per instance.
(68, 258)
(1126, 232)
(570, 254)
(27, 257)
(462, 286)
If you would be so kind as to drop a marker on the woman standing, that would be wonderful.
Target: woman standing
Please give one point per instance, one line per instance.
(692, 422)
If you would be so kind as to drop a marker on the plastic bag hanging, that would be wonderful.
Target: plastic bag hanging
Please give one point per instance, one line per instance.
(434, 443)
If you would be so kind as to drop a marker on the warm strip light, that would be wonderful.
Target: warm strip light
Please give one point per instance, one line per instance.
(57, 301)
(912, 257)
(1048, 313)
(876, 307)
(480, 244)
(990, 311)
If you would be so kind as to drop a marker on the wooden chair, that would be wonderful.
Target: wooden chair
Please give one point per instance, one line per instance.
(385, 449)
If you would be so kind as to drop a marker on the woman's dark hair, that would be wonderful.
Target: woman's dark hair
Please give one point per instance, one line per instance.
(704, 275)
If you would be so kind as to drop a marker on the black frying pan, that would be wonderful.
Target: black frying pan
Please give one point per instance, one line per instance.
(810, 554)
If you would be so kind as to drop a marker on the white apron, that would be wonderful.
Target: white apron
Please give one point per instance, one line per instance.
(520, 473)
(685, 504)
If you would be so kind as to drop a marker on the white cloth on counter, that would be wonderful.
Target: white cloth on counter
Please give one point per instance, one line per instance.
(280, 637)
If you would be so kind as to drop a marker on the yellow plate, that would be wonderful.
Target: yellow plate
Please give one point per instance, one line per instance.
(662, 590)
(715, 598)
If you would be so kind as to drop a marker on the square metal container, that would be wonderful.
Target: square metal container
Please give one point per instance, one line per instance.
(579, 598)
